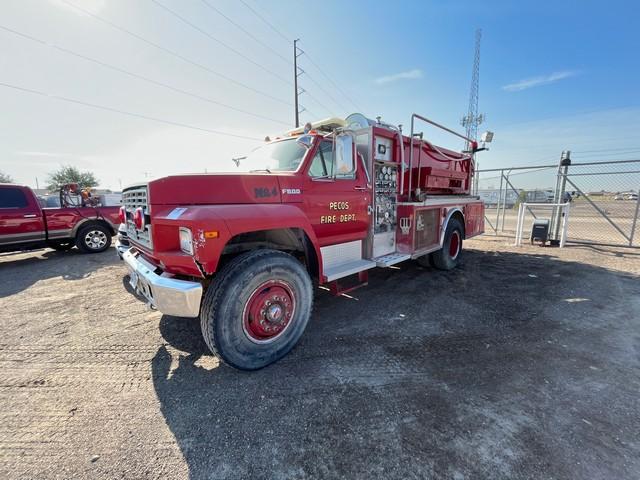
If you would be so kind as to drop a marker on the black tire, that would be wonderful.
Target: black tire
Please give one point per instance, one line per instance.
(93, 238)
(61, 246)
(447, 257)
(225, 317)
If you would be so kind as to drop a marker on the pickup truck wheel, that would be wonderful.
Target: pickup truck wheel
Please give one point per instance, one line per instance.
(93, 238)
(256, 309)
(61, 246)
(447, 257)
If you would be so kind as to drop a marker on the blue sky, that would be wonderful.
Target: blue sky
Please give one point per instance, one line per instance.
(554, 75)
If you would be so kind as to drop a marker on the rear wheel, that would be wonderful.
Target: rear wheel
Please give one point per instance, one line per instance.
(447, 257)
(94, 238)
(256, 309)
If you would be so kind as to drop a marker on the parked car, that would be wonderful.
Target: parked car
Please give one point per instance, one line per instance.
(626, 196)
(25, 225)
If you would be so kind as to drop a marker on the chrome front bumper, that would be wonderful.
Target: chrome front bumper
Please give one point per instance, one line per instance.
(121, 248)
(171, 296)
(122, 241)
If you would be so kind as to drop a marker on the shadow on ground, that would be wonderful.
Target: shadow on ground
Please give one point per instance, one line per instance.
(20, 270)
(511, 366)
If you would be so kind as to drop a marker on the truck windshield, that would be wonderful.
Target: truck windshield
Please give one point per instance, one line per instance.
(281, 156)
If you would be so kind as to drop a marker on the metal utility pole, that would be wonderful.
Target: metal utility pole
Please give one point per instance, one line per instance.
(472, 119)
(561, 184)
(296, 73)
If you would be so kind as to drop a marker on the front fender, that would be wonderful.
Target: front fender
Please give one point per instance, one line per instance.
(244, 219)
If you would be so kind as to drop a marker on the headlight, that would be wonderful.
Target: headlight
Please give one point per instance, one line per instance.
(186, 240)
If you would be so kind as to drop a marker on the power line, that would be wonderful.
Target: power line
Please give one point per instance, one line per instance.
(333, 83)
(318, 102)
(302, 52)
(337, 87)
(608, 154)
(269, 24)
(138, 76)
(246, 32)
(605, 150)
(123, 112)
(174, 54)
(217, 40)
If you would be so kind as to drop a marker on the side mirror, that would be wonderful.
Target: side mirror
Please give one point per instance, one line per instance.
(345, 164)
(305, 140)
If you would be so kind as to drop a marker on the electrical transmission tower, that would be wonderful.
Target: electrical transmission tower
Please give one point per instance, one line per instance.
(472, 119)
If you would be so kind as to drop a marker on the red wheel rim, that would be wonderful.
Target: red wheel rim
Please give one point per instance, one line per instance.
(454, 245)
(269, 311)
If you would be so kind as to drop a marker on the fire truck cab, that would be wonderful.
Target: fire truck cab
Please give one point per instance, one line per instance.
(242, 250)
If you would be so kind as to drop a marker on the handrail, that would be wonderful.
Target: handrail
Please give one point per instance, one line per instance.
(401, 140)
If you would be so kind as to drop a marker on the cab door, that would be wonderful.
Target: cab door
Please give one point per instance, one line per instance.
(20, 217)
(337, 194)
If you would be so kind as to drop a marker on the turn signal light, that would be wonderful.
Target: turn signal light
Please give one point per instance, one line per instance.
(122, 215)
(211, 234)
(138, 218)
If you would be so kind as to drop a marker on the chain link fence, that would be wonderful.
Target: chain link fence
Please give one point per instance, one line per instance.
(603, 195)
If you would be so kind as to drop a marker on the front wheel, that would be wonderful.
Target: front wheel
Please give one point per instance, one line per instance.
(447, 257)
(256, 309)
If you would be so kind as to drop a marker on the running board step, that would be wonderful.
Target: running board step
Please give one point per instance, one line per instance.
(391, 259)
(349, 268)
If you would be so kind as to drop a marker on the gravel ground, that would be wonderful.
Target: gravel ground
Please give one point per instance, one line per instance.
(521, 363)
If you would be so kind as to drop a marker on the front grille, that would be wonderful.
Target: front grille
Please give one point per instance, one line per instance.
(133, 198)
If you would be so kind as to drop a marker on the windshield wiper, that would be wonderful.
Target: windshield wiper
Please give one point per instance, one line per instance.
(237, 160)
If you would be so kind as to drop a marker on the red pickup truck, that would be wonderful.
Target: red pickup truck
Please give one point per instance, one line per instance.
(25, 225)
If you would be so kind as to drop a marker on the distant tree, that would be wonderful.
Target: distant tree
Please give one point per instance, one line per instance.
(5, 178)
(68, 174)
(522, 198)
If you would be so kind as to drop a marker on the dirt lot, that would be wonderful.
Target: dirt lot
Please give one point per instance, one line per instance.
(519, 364)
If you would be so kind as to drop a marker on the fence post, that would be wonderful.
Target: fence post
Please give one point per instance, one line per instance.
(504, 202)
(635, 220)
(499, 199)
(563, 168)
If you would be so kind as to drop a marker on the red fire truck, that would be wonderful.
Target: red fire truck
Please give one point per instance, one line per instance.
(242, 250)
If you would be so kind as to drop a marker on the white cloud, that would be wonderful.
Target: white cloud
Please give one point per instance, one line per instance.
(539, 81)
(408, 75)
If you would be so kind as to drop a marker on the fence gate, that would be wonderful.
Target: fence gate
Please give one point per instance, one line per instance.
(605, 207)
(605, 203)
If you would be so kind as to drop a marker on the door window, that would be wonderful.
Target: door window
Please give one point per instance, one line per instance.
(322, 163)
(12, 198)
